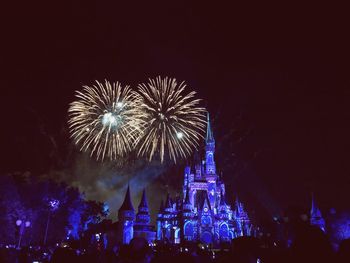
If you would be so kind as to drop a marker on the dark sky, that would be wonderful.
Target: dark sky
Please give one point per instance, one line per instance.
(275, 78)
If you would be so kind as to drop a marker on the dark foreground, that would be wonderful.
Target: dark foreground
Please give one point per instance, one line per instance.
(248, 250)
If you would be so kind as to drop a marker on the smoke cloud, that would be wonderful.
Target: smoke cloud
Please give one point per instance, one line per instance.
(107, 182)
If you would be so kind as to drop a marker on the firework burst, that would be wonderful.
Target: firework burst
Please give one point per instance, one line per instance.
(106, 119)
(175, 122)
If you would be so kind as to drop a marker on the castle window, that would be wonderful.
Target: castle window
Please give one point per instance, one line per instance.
(232, 235)
(224, 231)
(168, 232)
(206, 220)
(188, 230)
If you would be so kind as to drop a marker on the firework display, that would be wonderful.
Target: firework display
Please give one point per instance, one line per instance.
(106, 119)
(175, 122)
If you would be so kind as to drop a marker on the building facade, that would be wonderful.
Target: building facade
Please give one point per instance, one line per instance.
(131, 225)
(202, 214)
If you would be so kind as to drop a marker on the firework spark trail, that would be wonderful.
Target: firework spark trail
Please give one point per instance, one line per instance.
(175, 122)
(106, 119)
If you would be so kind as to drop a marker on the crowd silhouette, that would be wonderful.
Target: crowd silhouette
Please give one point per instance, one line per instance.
(309, 244)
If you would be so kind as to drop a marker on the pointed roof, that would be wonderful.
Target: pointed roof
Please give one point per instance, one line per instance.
(210, 136)
(315, 211)
(143, 202)
(238, 206)
(222, 199)
(206, 203)
(127, 204)
(168, 201)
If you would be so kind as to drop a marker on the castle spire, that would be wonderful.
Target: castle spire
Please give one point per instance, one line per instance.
(168, 201)
(142, 218)
(143, 202)
(210, 167)
(127, 204)
(126, 218)
(316, 218)
(315, 211)
(206, 204)
(222, 199)
(210, 136)
(239, 207)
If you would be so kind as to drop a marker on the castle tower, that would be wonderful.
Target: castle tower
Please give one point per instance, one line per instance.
(242, 219)
(223, 224)
(316, 218)
(142, 227)
(210, 167)
(223, 207)
(167, 218)
(187, 175)
(197, 166)
(187, 219)
(126, 217)
(143, 217)
(159, 221)
(202, 214)
(187, 206)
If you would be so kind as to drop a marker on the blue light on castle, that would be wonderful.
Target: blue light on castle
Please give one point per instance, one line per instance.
(130, 226)
(202, 214)
(316, 218)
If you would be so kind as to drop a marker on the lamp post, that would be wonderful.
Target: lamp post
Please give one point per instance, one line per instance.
(53, 204)
(22, 225)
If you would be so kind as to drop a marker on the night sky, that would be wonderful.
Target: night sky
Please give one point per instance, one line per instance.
(274, 78)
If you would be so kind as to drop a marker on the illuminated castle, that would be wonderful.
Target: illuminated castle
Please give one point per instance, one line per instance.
(130, 226)
(202, 214)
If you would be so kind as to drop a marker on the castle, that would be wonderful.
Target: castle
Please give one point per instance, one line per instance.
(202, 214)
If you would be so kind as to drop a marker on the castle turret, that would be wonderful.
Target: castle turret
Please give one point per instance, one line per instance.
(202, 213)
(168, 203)
(223, 208)
(168, 208)
(316, 218)
(187, 217)
(142, 227)
(159, 221)
(127, 204)
(126, 217)
(210, 167)
(143, 216)
(222, 200)
(167, 220)
(242, 219)
(197, 166)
